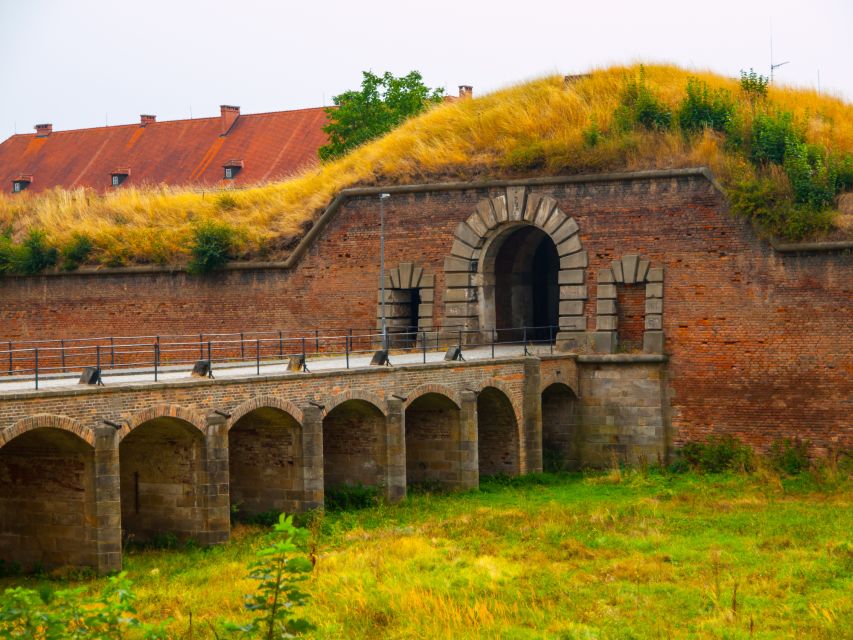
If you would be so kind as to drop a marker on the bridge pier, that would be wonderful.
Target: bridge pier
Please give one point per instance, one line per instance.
(216, 491)
(469, 465)
(312, 457)
(395, 447)
(107, 500)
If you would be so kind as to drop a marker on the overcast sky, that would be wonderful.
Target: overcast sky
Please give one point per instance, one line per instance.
(79, 63)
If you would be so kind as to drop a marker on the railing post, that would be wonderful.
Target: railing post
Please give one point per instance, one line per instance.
(37, 367)
(316, 341)
(423, 344)
(494, 337)
(346, 347)
(242, 350)
(62, 353)
(98, 357)
(156, 359)
(210, 356)
(258, 356)
(303, 350)
(10, 357)
(280, 346)
(112, 353)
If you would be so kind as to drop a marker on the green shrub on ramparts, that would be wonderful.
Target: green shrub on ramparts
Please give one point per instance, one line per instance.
(212, 245)
(770, 135)
(75, 252)
(703, 108)
(638, 105)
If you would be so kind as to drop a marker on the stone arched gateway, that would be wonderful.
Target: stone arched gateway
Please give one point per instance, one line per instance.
(489, 288)
(629, 270)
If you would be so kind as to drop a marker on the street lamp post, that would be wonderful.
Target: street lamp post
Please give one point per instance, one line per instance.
(382, 198)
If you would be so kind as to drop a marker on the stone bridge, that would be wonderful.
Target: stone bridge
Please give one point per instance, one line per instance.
(85, 470)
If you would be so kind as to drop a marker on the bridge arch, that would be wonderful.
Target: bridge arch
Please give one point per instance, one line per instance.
(499, 432)
(163, 474)
(561, 436)
(432, 436)
(265, 457)
(355, 394)
(185, 415)
(265, 401)
(354, 442)
(439, 389)
(47, 420)
(48, 498)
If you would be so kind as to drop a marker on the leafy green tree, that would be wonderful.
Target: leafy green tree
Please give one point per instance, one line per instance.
(382, 103)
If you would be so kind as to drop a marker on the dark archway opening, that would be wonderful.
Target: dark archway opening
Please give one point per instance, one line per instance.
(353, 447)
(161, 469)
(497, 434)
(47, 501)
(560, 432)
(432, 435)
(526, 291)
(265, 463)
(402, 312)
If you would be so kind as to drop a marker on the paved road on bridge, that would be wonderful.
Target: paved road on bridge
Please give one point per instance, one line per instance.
(246, 369)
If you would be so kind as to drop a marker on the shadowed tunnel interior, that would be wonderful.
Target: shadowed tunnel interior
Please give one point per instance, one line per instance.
(265, 463)
(354, 445)
(526, 292)
(47, 501)
(432, 435)
(560, 434)
(161, 470)
(497, 434)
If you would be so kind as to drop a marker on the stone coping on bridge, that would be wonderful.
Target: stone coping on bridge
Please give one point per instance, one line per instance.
(327, 373)
(621, 358)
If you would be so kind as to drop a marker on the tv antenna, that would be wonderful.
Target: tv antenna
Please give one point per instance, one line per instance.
(774, 66)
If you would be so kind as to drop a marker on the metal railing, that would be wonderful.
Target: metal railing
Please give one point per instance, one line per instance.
(40, 360)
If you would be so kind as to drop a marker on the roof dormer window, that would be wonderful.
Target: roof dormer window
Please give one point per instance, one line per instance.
(232, 168)
(20, 183)
(117, 176)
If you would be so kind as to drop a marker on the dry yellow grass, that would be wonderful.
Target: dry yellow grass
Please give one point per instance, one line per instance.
(471, 138)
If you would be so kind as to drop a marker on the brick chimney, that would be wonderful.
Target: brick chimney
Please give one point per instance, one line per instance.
(228, 116)
(466, 91)
(146, 119)
(43, 130)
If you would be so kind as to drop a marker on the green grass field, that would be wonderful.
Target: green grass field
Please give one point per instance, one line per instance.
(615, 555)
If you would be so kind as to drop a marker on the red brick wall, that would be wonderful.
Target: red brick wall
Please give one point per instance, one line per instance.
(760, 341)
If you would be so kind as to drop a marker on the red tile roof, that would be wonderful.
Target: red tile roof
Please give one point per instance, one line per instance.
(177, 152)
